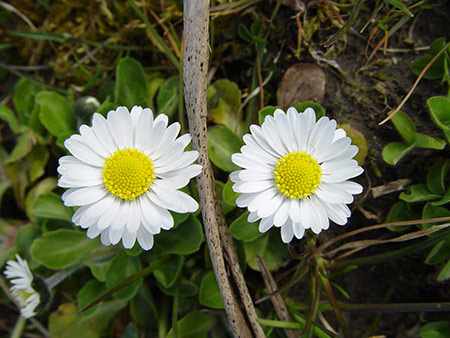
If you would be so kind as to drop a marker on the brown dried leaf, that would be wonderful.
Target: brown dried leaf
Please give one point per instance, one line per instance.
(301, 82)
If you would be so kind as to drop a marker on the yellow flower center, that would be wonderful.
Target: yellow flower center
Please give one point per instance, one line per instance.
(128, 173)
(297, 175)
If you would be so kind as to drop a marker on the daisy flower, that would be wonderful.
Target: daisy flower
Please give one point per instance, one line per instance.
(124, 175)
(21, 279)
(295, 173)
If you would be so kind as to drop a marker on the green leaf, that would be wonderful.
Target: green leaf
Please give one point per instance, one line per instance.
(439, 108)
(10, 118)
(99, 269)
(24, 97)
(431, 211)
(436, 177)
(43, 187)
(122, 267)
(25, 237)
(154, 83)
(182, 288)
(167, 269)
(228, 194)
(418, 193)
(90, 290)
(439, 253)
(301, 106)
(131, 85)
(61, 249)
(50, 206)
(167, 99)
(55, 114)
(444, 274)
(435, 330)
(222, 143)
(38, 159)
(209, 294)
(67, 322)
(437, 69)
(195, 324)
(405, 127)
(444, 200)
(227, 97)
(23, 147)
(359, 140)
(242, 230)
(393, 152)
(400, 5)
(270, 248)
(4, 186)
(184, 239)
(266, 111)
(429, 142)
(227, 208)
(400, 211)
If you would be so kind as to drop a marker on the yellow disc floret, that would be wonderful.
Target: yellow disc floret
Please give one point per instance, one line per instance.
(297, 175)
(128, 173)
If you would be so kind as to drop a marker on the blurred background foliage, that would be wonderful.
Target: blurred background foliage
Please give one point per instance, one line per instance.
(62, 60)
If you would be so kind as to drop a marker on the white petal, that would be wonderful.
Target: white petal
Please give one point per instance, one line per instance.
(299, 230)
(151, 218)
(342, 174)
(144, 128)
(281, 214)
(334, 150)
(262, 199)
(287, 232)
(252, 217)
(93, 212)
(91, 140)
(81, 151)
(100, 128)
(167, 140)
(107, 219)
(270, 206)
(83, 196)
(121, 127)
(186, 159)
(166, 197)
(265, 224)
(145, 239)
(294, 211)
(332, 193)
(339, 133)
(253, 186)
(70, 182)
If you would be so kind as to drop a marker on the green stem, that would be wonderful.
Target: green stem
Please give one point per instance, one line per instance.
(281, 324)
(175, 314)
(120, 286)
(315, 301)
(162, 321)
(19, 327)
(299, 325)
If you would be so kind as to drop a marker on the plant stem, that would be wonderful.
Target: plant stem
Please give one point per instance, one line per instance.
(380, 226)
(421, 75)
(162, 321)
(175, 314)
(376, 259)
(299, 325)
(396, 307)
(18, 328)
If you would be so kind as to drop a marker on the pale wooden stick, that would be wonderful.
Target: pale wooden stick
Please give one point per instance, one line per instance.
(195, 69)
